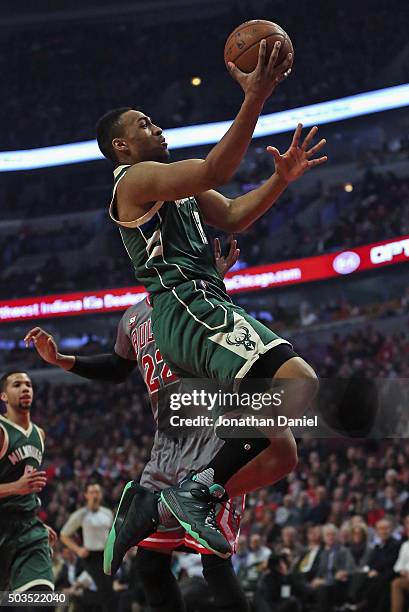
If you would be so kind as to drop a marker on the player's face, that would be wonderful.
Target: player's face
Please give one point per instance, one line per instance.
(144, 139)
(18, 393)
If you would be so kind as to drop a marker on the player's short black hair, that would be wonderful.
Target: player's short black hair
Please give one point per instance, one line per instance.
(109, 127)
(4, 378)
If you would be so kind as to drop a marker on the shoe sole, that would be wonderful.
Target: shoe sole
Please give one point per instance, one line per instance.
(190, 531)
(110, 543)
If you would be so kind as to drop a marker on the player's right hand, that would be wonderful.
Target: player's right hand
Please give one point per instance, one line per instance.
(83, 552)
(44, 343)
(261, 83)
(31, 482)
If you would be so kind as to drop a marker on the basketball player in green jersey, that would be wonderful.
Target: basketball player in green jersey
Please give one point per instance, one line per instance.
(25, 555)
(160, 209)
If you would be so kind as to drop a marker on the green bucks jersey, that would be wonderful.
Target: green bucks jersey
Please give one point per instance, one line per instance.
(22, 452)
(168, 245)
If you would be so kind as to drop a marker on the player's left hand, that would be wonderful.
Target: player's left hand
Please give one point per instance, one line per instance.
(297, 159)
(52, 536)
(225, 263)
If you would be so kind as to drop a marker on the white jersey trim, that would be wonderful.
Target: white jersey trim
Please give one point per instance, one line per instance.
(25, 432)
(136, 222)
(40, 436)
(5, 442)
(32, 583)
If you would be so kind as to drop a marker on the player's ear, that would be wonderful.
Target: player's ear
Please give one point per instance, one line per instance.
(3, 396)
(119, 144)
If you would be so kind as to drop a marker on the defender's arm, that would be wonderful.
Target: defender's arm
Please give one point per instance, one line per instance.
(110, 367)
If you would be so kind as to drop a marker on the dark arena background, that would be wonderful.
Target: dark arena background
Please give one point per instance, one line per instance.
(326, 267)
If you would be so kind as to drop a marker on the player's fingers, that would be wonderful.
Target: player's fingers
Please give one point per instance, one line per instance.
(273, 56)
(217, 248)
(310, 136)
(284, 66)
(261, 62)
(275, 153)
(316, 147)
(297, 134)
(234, 257)
(317, 162)
(37, 484)
(233, 246)
(40, 333)
(283, 76)
(31, 332)
(235, 72)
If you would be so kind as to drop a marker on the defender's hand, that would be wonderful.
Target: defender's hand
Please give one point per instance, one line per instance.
(225, 263)
(260, 84)
(44, 344)
(294, 162)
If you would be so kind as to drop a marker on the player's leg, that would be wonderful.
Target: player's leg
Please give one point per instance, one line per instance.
(31, 569)
(224, 584)
(159, 584)
(270, 466)
(136, 518)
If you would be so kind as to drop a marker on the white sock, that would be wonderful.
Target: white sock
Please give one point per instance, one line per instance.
(206, 477)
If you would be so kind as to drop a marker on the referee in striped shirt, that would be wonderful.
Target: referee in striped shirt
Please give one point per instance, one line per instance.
(95, 521)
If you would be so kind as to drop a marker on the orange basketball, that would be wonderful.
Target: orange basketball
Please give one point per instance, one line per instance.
(242, 45)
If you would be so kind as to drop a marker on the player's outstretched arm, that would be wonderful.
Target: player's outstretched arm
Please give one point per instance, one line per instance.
(236, 215)
(108, 367)
(149, 181)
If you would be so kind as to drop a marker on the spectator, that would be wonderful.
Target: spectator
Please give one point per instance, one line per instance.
(400, 585)
(320, 510)
(256, 561)
(239, 559)
(69, 570)
(289, 544)
(308, 562)
(287, 513)
(376, 590)
(334, 569)
(275, 591)
(359, 546)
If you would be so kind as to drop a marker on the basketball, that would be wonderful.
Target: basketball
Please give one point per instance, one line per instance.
(242, 45)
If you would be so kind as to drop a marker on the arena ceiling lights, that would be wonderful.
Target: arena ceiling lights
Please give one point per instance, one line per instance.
(209, 133)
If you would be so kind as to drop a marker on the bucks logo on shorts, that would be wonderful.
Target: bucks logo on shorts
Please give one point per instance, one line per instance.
(241, 337)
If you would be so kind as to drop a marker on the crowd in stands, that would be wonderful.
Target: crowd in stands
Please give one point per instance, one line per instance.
(338, 220)
(60, 79)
